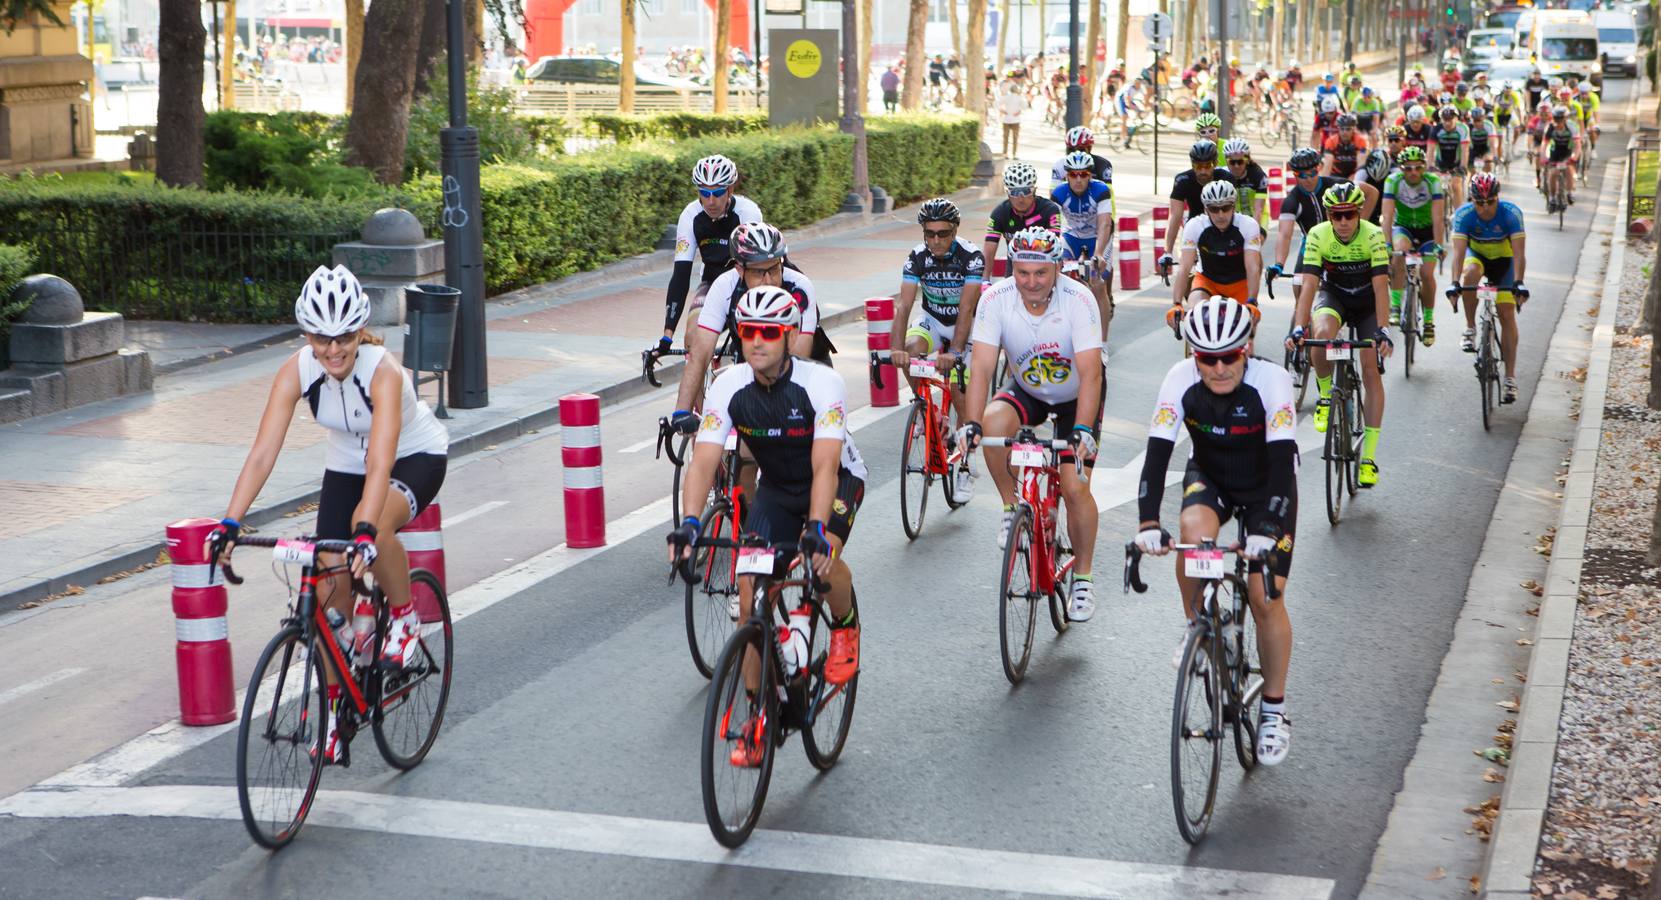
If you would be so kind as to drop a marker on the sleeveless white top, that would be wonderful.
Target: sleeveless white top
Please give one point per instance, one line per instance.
(344, 408)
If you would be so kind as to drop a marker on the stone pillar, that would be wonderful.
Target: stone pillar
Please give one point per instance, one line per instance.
(64, 356)
(393, 254)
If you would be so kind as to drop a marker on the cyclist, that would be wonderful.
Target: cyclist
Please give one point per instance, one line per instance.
(1351, 92)
(758, 252)
(384, 462)
(1209, 127)
(1417, 130)
(1080, 139)
(1328, 89)
(1450, 76)
(1453, 146)
(1249, 177)
(1302, 207)
(1326, 121)
(1395, 140)
(948, 271)
(1087, 206)
(1023, 209)
(1372, 173)
(1492, 230)
(1369, 112)
(1185, 193)
(1589, 105)
(1507, 114)
(792, 415)
(1536, 87)
(1414, 212)
(704, 228)
(1228, 249)
(1351, 263)
(1240, 414)
(1560, 152)
(1485, 141)
(1046, 327)
(1462, 100)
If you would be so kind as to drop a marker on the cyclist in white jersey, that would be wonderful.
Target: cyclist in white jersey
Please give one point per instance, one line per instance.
(385, 461)
(1049, 330)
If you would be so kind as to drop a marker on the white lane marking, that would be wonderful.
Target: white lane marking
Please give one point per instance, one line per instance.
(173, 738)
(969, 868)
(1112, 487)
(45, 681)
(479, 510)
(638, 446)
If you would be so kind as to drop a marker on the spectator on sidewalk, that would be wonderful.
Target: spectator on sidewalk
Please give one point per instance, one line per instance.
(890, 89)
(1010, 107)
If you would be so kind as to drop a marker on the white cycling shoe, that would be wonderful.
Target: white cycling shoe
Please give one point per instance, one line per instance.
(963, 486)
(1084, 602)
(1274, 738)
(1176, 655)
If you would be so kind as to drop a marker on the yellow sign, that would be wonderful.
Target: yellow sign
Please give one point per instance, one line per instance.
(803, 59)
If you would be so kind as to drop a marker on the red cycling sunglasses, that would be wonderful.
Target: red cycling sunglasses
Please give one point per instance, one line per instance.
(1219, 359)
(751, 331)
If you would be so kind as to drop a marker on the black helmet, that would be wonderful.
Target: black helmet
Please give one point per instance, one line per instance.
(1305, 159)
(938, 210)
(1203, 151)
(1346, 120)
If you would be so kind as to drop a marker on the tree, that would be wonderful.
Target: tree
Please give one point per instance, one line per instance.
(915, 60)
(1003, 36)
(227, 57)
(864, 56)
(625, 88)
(434, 38)
(1277, 28)
(974, 57)
(354, 46)
(473, 27)
(384, 87)
(1302, 28)
(957, 30)
(15, 12)
(1190, 25)
(723, 37)
(1121, 42)
(1093, 35)
(179, 114)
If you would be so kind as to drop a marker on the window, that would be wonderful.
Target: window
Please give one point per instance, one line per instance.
(593, 7)
(1617, 36)
(688, 7)
(652, 7)
(938, 11)
(1568, 48)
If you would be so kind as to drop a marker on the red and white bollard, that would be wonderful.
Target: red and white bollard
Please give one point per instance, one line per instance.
(1130, 254)
(203, 650)
(423, 540)
(1161, 219)
(1277, 192)
(879, 321)
(1289, 182)
(579, 454)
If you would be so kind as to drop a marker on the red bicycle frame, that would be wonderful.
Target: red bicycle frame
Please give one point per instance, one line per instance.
(1040, 491)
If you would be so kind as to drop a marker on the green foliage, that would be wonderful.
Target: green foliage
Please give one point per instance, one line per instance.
(14, 264)
(15, 12)
(503, 136)
(918, 156)
(677, 126)
(298, 152)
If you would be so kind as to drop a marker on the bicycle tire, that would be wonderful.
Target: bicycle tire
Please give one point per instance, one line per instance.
(914, 466)
(837, 703)
(1410, 327)
(1354, 418)
(709, 603)
(726, 687)
(1485, 370)
(1194, 813)
(411, 690)
(1017, 614)
(276, 830)
(1063, 555)
(1334, 456)
(1295, 362)
(682, 443)
(948, 484)
(1246, 686)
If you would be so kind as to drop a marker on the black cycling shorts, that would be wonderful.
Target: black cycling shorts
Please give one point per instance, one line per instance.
(1198, 490)
(778, 515)
(1032, 413)
(1362, 314)
(417, 477)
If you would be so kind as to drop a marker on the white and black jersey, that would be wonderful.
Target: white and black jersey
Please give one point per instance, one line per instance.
(780, 422)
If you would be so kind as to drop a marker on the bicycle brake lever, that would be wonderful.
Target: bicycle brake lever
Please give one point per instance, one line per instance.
(230, 576)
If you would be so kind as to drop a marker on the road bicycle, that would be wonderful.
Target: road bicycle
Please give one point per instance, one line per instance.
(1489, 354)
(1296, 359)
(1559, 191)
(926, 445)
(790, 692)
(279, 745)
(1038, 554)
(1219, 679)
(1345, 422)
(670, 442)
(712, 599)
(1412, 321)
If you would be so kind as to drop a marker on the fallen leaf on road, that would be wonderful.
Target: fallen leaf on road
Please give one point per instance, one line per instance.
(1437, 874)
(1608, 892)
(1524, 642)
(1510, 705)
(1476, 884)
(1533, 587)
(1493, 776)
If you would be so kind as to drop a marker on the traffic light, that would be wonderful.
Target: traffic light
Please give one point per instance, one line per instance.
(1449, 11)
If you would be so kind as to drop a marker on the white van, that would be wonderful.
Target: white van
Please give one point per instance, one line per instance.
(1561, 44)
(1617, 41)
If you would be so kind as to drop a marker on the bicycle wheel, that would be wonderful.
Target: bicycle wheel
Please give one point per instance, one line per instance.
(914, 477)
(1246, 676)
(1017, 597)
(277, 763)
(409, 704)
(833, 705)
(1063, 556)
(1296, 362)
(1196, 732)
(682, 444)
(1354, 419)
(733, 795)
(712, 603)
(1410, 326)
(1335, 456)
(1486, 377)
(948, 484)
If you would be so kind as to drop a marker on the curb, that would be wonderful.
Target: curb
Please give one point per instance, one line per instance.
(226, 353)
(1516, 837)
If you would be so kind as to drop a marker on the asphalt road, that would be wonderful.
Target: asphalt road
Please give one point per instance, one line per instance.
(568, 761)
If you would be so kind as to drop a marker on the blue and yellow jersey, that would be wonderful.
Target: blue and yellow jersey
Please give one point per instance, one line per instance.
(1490, 239)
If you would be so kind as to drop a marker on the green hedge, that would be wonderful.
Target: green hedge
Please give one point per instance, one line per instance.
(625, 128)
(913, 157)
(14, 264)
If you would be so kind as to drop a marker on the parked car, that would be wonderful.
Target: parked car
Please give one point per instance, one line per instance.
(1617, 41)
(1503, 17)
(1482, 48)
(598, 71)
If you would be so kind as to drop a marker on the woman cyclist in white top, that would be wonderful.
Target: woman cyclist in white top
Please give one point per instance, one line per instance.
(386, 454)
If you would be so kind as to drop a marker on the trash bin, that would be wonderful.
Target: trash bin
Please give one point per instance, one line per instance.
(430, 333)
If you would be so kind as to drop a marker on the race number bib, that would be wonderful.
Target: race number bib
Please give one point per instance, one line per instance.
(288, 551)
(1203, 563)
(755, 561)
(1026, 455)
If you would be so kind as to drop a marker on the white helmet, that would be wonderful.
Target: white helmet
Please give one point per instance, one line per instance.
(1217, 193)
(714, 171)
(1329, 104)
(1236, 147)
(332, 303)
(1217, 325)
(770, 305)
(1020, 176)
(1035, 244)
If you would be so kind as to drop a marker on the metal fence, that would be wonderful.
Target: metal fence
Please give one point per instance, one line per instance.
(572, 102)
(1643, 164)
(164, 272)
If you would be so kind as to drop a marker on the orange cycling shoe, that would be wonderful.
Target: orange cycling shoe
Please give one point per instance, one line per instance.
(751, 747)
(842, 663)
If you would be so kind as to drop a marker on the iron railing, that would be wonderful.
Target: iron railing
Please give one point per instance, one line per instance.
(1643, 164)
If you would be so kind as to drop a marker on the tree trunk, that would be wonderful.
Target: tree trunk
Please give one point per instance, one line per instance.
(1655, 560)
(723, 37)
(227, 57)
(1326, 38)
(430, 47)
(179, 93)
(1190, 25)
(1003, 37)
(957, 31)
(1301, 30)
(1091, 72)
(473, 28)
(625, 95)
(915, 62)
(354, 46)
(974, 57)
(385, 86)
(1277, 28)
(1121, 42)
(865, 57)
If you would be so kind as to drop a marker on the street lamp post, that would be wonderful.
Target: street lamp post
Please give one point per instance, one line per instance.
(1075, 94)
(463, 235)
(859, 199)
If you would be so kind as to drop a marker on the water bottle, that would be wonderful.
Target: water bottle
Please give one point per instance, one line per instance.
(363, 627)
(793, 641)
(344, 636)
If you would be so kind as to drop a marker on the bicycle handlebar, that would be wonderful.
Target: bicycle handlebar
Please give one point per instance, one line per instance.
(317, 546)
(880, 358)
(1133, 565)
(1342, 343)
(683, 568)
(649, 359)
(666, 442)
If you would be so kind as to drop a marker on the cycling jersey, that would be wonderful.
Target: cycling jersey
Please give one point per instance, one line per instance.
(1491, 238)
(780, 422)
(696, 232)
(1080, 212)
(1448, 142)
(716, 315)
(1244, 445)
(1366, 111)
(1536, 86)
(1346, 155)
(941, 279)
(1413, 201)
(345, 409)
(1103, 170)
(1005, 221)
(1419, 137)
(1563, 141)
(1186, 187)
(1304, 207)
(1346, 267)
(1480, 135)
(1221, 252)
(1326, 126)
(1253, 184)
(1041, 348)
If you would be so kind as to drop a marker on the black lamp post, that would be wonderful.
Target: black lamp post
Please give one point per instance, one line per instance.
(463, 234)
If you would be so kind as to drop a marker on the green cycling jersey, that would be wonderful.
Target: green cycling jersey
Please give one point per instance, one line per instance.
(1413, 201)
